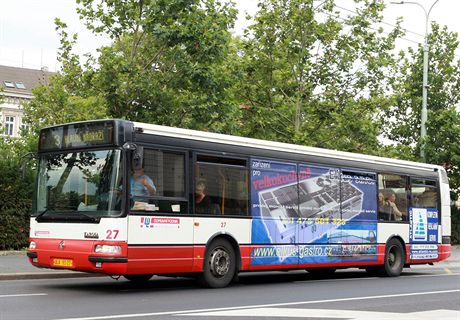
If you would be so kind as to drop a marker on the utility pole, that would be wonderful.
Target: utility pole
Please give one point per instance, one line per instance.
(425, 86)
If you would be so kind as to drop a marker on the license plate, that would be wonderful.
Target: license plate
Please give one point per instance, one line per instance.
(62, 262)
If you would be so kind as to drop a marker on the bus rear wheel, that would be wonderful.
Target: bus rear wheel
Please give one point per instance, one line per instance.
(219, 265)
(394, 259)
(138, 278)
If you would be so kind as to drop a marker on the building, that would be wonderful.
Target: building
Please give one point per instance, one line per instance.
(16, 88)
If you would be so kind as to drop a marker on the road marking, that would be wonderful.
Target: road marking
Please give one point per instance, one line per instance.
(331, 314)
(22, 295)
(448, 270)
(404, 276)
(191, 312)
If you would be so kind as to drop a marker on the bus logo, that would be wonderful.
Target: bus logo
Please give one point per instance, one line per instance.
(62, 245)
(91, 235)
(148, 222)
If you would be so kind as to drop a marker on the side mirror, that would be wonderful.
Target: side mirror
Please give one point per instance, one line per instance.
(138, 154)
(138, 158)
(24, 161)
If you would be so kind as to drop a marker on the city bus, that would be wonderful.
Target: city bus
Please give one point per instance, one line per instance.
(270, 205)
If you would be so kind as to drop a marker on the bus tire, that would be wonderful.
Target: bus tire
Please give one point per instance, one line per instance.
(219, 265)
(138, 278)
(394, 259)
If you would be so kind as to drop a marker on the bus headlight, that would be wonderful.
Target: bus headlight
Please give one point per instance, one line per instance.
(32, 245)
(103, 248)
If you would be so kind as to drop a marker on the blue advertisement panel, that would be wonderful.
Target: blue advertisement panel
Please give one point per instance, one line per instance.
(423, 233)
(310, 214)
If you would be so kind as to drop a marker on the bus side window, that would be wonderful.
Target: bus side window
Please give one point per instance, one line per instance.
(221, 186)
(424, 193)
(165, 172)
(392, 197)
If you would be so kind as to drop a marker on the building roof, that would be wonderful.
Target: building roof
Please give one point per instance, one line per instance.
(21, 81)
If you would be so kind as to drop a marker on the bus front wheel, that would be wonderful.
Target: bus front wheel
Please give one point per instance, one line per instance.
(219, 265)
(394, 259)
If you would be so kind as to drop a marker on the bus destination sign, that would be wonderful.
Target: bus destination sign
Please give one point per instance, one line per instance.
(77, 136)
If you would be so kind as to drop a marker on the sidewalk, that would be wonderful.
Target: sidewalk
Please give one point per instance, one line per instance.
(15, 265)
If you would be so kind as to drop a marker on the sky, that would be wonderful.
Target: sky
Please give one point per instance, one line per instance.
(28, 38)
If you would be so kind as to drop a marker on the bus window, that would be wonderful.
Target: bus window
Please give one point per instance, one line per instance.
(424, 193)
(221, 186)
(160, 185)
(393, 204)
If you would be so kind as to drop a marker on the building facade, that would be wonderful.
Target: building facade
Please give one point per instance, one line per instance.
(16, 88)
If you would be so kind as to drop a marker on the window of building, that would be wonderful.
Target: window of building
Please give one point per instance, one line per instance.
(9, 125)
(20, 85)
(424, 193)
(160, 185)
(392, 198)
(24, 127)
(221, 186)
(8, 84)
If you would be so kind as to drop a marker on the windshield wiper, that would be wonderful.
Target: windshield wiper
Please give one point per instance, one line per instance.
(77, 215)
(41, 214)
(91, 218)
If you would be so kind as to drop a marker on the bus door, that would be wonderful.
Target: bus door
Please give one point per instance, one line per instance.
(160, 226)
(220, 202)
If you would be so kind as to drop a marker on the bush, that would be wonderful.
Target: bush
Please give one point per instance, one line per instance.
(455, 234)
(15, 196)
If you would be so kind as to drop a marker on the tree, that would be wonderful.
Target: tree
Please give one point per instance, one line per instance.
(443, 125)
(315, 78)
(69, 95)
(166, 64)
(16, 195)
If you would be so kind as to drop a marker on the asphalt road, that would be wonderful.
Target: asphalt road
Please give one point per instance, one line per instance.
(423, 292)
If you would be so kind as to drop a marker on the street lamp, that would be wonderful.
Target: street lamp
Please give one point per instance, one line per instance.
(425, 74)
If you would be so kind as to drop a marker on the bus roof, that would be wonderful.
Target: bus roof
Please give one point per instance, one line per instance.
(279, 146)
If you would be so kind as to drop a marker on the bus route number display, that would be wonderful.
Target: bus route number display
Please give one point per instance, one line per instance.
(76, 136)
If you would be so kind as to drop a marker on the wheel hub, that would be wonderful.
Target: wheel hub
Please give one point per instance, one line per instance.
(219, 263)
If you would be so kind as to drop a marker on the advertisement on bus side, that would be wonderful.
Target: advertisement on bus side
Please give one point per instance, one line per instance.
(423, 233)
(308, 214)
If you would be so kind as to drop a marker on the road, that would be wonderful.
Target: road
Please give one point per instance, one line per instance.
(423, 292)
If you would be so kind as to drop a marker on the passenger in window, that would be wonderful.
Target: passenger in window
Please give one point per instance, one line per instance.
(203, 202)
(384, 208)
(395, 213)
(141, 184)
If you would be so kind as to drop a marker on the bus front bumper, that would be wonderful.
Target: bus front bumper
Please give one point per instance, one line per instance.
(78, 255)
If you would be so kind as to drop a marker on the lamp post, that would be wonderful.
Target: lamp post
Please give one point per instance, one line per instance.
(425, 75)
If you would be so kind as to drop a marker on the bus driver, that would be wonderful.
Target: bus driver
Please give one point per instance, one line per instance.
(141, 184)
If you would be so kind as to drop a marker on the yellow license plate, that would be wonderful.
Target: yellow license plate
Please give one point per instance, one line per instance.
(62, 262)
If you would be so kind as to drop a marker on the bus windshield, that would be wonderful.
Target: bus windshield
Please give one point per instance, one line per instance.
(81, 185)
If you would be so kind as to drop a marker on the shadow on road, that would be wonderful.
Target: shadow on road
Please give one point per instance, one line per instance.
(254, 279)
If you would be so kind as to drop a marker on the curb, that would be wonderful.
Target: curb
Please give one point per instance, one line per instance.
(47, 275)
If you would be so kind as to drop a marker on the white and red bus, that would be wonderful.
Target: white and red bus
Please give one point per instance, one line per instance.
(270, 205)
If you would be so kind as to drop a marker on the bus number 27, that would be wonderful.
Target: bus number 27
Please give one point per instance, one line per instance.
(111, 234)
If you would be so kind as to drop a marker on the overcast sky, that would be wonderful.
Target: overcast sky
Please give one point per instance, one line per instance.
(28, 38)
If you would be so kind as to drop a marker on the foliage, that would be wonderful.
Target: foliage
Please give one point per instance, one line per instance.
(68, 96)
(16, 195)
(455, 232)
(166, 64)
(314, 79)
(443, 124)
